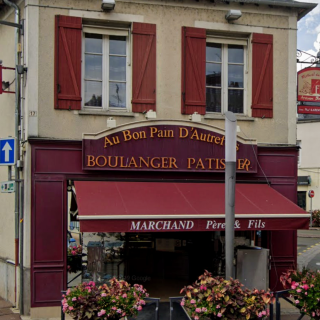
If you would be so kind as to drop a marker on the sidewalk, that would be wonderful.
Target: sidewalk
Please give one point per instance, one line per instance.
(7, 312)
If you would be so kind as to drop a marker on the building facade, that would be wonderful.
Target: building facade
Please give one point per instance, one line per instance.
(308, 166)
(125, 109)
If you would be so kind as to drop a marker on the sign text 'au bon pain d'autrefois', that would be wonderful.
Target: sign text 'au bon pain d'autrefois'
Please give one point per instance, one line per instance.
(164, 148)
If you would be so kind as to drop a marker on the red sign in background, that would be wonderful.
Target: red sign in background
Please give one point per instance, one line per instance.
(165, 148)
(309, 91)
(308, 110)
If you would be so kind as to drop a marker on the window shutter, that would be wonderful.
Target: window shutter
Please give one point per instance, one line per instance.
(68, 35)
(193, 79)
(144, 67)
(262, 75)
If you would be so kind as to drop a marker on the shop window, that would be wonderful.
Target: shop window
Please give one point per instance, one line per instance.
(225, 76)
(106, 69)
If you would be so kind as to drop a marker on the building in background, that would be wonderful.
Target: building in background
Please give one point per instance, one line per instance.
(308, 164)
(119, 115)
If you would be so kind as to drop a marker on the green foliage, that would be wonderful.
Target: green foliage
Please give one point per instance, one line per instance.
(217, 298)
(305, 289)
(113, 301)
(316, 218)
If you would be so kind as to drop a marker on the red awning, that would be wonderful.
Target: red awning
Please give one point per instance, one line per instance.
(106, 206)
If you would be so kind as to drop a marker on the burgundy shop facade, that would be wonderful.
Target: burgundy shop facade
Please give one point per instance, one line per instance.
(157, 176)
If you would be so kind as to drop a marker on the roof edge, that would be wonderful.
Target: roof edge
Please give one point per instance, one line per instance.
(305, 6)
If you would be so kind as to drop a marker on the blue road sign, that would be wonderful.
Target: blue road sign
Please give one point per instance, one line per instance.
(7, 151)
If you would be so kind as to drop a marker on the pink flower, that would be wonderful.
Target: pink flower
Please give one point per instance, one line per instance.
(297, 301)
(124, 296)
(198, 310)
(264, 312)
(101, 313)
(114, 308)
(204, 309)
(193, 301)
(196, 318)
(259, 314)
(182, 303)
(139, 308)
(299, 290)
(305, 287)
(103, 294)
(74, 299)
(219, 315)
(70, 308)
(218, 306)
(119, 311)
(293, 287)
(306, 293)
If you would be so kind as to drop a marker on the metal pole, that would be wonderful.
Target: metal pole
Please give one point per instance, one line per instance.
(310, 212)
(230, 184)
(17, 146)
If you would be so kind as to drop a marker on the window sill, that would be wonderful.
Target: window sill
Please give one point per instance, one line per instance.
(105, 113)
(221, 117)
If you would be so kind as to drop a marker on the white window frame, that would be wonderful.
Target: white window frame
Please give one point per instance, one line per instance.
(225, 41)
(106, 32)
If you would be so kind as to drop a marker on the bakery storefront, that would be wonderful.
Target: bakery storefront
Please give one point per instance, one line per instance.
(149, 200)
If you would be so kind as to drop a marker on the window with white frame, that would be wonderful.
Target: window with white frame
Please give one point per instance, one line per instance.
(106, 69)
(225, 75)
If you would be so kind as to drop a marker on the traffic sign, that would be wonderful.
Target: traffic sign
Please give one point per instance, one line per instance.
(311, 194)
(7, 151)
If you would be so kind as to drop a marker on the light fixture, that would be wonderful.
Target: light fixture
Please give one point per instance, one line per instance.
(5, 85)
(111, 123)
(195, 117)
(233, 15)
(151, 114)
(21, 69)
(108, 5)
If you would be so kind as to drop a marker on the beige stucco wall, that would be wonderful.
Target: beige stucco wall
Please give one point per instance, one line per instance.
(7, 116)
(169, 17)
(310, 159)
(7, 128)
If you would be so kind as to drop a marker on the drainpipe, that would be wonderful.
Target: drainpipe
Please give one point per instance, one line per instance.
(17, 146)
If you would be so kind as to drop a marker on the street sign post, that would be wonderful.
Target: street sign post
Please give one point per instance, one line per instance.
(7, 151)
(311, 195)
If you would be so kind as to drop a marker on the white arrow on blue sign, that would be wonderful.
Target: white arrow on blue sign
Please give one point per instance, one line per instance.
(7, 151)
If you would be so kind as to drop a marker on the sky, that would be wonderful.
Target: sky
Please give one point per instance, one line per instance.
(309, 33)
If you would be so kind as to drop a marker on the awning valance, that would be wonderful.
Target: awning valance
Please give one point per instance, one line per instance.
(108, 206)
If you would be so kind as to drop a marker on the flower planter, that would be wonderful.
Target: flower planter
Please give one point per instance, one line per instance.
(186, 312)
(115, 301)
(304, 287)
(213, 298)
